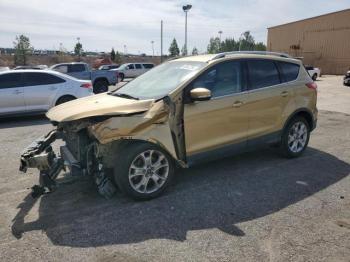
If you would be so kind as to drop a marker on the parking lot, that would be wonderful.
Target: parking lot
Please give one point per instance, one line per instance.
(257, 206)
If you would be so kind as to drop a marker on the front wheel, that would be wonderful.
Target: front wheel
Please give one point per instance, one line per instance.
(100, 86)
(295, 137)
(314, 77)
(143, 171)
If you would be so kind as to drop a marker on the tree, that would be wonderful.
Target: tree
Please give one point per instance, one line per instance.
(229, 45)
(214, 45)
(260, 46)
(78, 49)
(118, 58)
(183, 51)
(246, 42)
(113, 55)
(22, 49)
(194, 51)
(174, 49)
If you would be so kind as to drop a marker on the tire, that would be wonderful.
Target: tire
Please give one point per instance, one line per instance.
(293, 144)
(64, 99)
(121, 76)
(100, 86)
(141, 180)
(314, 77)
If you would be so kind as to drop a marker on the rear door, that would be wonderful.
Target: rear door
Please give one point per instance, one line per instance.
(79, 71)
(40, 90)
(270, 98)
(11, 93)
(139, 70)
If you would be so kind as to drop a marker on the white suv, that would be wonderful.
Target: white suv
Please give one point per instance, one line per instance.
(36, 91)
(132, 70)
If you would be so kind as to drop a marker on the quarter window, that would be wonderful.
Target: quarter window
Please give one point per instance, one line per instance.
(223, 79)
(148, 66)
(290, 71)
(36, 79)
(10, 80)
(262, 73)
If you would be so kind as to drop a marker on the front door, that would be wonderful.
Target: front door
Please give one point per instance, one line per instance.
(222, 121)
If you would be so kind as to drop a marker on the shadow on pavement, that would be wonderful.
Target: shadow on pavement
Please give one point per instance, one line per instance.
(215, 195)
(20, 121)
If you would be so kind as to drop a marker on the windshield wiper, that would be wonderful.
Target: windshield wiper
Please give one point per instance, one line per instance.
(126, 96)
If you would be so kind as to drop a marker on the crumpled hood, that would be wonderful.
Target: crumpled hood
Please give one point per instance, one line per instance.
(97, 105)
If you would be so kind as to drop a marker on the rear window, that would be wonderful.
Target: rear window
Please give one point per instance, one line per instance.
(10, 80)
(36, 79)
(289, 71)
(262, 73)
(148, 66)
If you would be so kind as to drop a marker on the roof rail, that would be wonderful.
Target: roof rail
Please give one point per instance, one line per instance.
(222, 55)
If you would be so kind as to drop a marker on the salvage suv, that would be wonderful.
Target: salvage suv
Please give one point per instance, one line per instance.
(180, 113)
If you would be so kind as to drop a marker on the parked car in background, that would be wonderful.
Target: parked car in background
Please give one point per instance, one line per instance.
(179, 114)
(37, 67)
(314, 72)
(108, 67)
(346, 81)
(100, 79)
(33, 91)
(132, 70)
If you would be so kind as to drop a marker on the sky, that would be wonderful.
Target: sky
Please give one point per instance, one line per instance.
(104, 24)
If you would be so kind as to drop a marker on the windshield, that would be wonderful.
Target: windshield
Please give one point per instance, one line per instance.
(161, 80)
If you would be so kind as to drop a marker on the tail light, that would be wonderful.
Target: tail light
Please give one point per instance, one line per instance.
(312, 85)
(86, 85)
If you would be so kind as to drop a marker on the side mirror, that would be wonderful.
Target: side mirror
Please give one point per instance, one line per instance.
(200, 94)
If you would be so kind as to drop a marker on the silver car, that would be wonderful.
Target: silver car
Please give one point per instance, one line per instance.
(132, 70)
(36, 91)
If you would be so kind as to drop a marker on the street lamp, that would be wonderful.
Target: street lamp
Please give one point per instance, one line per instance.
(152, 42)
(220, 32)
(186, 8)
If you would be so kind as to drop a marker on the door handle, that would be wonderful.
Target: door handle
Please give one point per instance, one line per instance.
(285, 93)
(237, 104)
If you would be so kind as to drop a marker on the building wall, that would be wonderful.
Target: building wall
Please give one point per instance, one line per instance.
(322, 41)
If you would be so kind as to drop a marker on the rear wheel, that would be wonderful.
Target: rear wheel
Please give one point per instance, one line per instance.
(121, 76)
(295, 137)
(144, 171)
(64, 99)
(100, 86)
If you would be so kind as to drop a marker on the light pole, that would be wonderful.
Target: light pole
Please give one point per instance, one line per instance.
(240, 42)
(152, 42)
(220, 32)
(125, 50)
(186, 8)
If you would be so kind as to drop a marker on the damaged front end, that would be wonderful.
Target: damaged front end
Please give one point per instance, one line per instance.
(92, 142)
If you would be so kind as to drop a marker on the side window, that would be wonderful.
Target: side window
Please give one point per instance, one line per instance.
(138, 66)
(36, 79)
(148, 66)
(76, 68)
(131, 66)
(289, 72)
(11, 80)
(262, 73)
(222, 79)
(62, 69)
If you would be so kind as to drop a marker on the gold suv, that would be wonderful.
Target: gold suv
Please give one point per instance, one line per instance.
(180, 113)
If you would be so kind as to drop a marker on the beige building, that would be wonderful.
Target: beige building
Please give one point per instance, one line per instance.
(322, 41)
